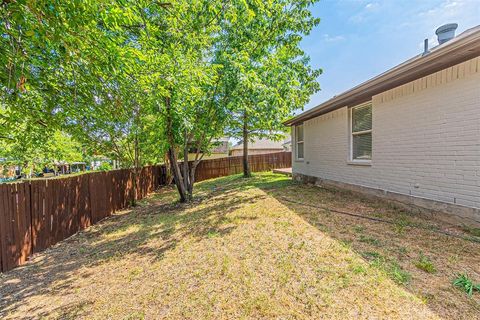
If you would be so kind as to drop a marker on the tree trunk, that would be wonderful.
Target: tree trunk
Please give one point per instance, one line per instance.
(192, 179)
(168, 169)
(135, 172)
(172, 156)
(246, 166)
(186, 169)
(136, 157)
(177, 175)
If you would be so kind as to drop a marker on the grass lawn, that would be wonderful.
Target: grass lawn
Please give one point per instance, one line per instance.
(250, 248)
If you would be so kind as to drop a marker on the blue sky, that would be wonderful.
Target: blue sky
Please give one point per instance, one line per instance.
(358, 39)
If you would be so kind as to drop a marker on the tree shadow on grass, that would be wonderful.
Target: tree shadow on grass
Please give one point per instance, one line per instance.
(160, 225)
(394, 248)
(150, 231)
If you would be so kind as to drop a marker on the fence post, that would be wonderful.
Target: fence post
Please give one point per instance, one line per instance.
(2, 233)
(90, 175)
(31, 216)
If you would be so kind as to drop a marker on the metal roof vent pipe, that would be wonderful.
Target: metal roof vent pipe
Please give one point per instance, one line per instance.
(425, 48)
(446, 32)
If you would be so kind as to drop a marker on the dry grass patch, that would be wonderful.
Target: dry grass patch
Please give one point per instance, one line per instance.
(240, 250)
(412, 250)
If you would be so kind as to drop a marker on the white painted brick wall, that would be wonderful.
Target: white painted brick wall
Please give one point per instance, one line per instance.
(425, 133)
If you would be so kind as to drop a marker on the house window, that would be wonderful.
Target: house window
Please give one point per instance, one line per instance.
(361, 140)
(299, 141)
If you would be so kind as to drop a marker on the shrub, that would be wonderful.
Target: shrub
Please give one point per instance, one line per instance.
(425, 264)
(105, 166)
(464, 283)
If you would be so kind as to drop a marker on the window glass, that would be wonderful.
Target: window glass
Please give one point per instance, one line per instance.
(300, 150)
(299, 141)
(362, 146)
(299, 132)
(362, 133)
(362, 119)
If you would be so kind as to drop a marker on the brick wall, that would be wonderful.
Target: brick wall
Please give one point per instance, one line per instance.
(426, 140)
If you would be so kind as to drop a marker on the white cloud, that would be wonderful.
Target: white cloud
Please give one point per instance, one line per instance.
(451, 4)
(464, 12)
(451, 9)
(365, 13)
(328, 38)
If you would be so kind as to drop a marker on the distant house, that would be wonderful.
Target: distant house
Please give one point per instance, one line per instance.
(61, 167)
(78, 166)
(411, 134)
(258, 146)
(100, 162)
(219, 149)
(287, 145)
(220, 146)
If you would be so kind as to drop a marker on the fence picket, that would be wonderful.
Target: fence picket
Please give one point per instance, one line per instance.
(35, 215)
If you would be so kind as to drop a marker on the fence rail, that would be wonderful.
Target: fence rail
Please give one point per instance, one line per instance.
(35, 215)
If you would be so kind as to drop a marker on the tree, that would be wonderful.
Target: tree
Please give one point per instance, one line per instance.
(258, 72)
(62, 147)
(139, 79)
(44, 151)
(271, 76)
(181, 81)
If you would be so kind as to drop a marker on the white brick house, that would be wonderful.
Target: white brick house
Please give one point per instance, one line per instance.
(411, 134)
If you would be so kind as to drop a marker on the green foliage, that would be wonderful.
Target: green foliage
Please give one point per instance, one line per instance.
(359, 269)
(105, 166)
(464, 283)
(472, 230)
(135, 79)
(390, 266)
(358, 229)
(401, 222)
(33, 155)
(369, 240)
(395, 271)
(63, 147)
(425, 264)
(269, 77)
(371, 255)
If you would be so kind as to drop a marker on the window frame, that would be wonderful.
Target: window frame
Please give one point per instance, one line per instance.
(297, 142)
(351, 160)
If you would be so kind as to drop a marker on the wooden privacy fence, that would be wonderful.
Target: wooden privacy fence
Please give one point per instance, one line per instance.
(214, 168)
(35, 215)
